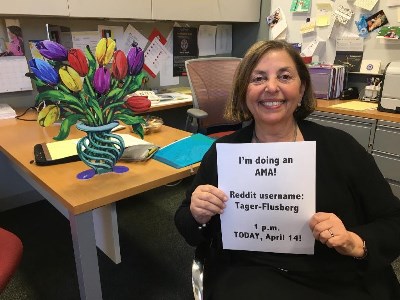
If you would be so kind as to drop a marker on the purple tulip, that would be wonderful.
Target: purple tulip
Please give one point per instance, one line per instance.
(44, 71)
(101, 81)
(135, 60)
(52, 50)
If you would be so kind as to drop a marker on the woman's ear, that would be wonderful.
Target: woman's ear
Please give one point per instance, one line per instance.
(302, 90)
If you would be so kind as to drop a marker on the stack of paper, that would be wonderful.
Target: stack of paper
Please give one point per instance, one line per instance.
(6, 112)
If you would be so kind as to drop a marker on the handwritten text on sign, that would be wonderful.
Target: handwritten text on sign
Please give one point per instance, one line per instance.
(271, 190)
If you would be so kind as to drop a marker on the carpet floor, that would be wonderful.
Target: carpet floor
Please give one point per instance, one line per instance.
(156, 261)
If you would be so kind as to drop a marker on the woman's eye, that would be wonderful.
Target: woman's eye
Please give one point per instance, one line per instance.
(285, 77)
(257, 79)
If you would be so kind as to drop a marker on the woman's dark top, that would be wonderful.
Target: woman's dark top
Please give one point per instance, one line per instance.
(348, 184)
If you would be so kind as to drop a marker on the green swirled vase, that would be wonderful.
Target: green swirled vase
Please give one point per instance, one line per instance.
(100, 149)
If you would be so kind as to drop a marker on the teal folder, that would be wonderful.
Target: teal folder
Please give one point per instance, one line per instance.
(184, 152)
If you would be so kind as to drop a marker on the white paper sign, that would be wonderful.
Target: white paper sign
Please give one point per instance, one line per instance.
(132, 35)
(154, 55)
(12, 74)
(206, 39)
(271, 190)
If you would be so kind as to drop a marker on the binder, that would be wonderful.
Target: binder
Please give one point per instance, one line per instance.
(327, 80)
(184, 152)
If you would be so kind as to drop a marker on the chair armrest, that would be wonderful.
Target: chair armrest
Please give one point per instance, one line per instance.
(197, 113)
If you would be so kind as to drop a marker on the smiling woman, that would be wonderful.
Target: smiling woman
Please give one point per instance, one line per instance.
(355, 208)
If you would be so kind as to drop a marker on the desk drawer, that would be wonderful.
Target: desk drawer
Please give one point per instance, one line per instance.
(388, 164)
(359, 128)
(387, 138)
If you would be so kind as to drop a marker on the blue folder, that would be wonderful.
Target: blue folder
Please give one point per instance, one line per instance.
(184, 152)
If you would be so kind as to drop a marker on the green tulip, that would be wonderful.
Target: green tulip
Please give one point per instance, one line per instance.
(71, 78)
(48, 115)
(104, 51)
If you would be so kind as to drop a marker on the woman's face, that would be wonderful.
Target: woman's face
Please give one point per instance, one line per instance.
(11, 35)
(275, 89)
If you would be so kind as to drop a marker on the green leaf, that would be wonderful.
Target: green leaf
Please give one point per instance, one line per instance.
(91, 62)
(128, 119)
(136, 83)
(113, 105)
(38, 82)
(114, 94)
(135, 121)
(97, 109)
(66, 126)
(57, 95)
(138, 129)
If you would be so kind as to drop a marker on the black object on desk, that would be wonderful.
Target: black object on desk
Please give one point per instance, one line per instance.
(43, 157)
(349, 93)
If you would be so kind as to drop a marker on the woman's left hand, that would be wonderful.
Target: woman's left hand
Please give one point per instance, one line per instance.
(329, 230)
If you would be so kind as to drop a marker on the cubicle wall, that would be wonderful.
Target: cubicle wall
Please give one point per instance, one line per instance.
(34, 28)
(373, 48)
(14, 190)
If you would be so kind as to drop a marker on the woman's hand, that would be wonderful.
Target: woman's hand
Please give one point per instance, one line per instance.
(329, 230)
(207, 201)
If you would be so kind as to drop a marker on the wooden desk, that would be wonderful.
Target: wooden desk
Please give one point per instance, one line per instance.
(88, 204)
(325, 105)
(163, 105)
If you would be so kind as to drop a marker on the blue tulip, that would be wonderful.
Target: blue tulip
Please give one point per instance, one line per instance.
(135, 60)
(44, 71)
(101, 80)
(52, 50)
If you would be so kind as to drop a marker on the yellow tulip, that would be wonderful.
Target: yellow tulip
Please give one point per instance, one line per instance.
(71, 78)
(48, 115)
(104, 51)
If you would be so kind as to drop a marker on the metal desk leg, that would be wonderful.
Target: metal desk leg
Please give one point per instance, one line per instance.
(87, 267)
(106, 230)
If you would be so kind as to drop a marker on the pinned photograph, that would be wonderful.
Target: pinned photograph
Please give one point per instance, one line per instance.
(389, 32)
(277, 23)
(376, 20)
(274, 18)
(15, 44)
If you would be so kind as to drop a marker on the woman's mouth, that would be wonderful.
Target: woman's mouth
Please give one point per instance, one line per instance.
(271, 103)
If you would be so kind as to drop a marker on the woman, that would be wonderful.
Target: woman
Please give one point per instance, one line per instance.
(357, 224)
(16, 45)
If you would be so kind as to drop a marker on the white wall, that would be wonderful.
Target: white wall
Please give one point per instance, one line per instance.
(373, 48)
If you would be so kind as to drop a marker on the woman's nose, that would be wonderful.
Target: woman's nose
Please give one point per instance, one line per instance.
(271, 85)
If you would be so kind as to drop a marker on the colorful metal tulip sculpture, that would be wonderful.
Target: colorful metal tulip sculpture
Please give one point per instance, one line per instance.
(84, 92)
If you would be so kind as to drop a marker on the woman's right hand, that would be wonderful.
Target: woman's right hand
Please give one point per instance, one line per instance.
(207, 201)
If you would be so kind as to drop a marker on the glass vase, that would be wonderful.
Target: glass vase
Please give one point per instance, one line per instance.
(100, 149)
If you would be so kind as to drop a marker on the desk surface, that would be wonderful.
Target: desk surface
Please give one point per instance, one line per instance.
(19, 137)
(168, 104)
(326, 105)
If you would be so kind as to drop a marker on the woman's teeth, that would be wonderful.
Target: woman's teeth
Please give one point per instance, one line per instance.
(273, 103)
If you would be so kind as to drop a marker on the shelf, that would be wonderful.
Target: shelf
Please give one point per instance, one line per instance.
(367, 74)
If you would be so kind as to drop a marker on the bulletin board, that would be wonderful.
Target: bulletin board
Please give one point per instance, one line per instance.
(374, 48)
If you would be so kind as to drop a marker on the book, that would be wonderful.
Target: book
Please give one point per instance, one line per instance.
(350, 59)
(184, 152)
(370, 66)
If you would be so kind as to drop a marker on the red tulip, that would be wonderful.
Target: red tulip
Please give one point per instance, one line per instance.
(78, 61)
(138, 103)
(120, 65)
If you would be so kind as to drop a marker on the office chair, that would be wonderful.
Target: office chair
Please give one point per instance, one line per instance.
(200, 255)
(211, 81)
(10, 256)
